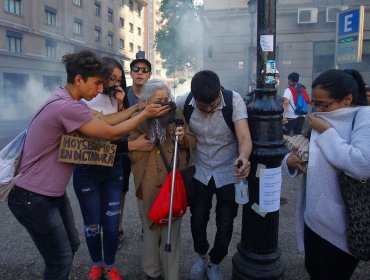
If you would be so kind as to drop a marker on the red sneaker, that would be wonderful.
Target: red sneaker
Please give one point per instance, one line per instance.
(112, 274)
(95, 273)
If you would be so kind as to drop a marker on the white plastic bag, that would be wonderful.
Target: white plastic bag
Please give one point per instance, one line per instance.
(9, 161)
(241, 192)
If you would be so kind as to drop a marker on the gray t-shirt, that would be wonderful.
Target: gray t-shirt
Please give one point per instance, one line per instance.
(217, 146)
(132, 98)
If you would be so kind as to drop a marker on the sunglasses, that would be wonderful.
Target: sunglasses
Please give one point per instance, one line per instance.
(320, 104)
(137, 69)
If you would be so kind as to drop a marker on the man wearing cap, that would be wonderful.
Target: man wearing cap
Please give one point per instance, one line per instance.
(141, 70)
(295, 122)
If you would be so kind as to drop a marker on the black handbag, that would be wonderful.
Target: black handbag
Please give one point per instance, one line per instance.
(356, 196)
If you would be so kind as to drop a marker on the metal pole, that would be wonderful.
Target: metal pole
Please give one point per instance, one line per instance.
(258, 256)
(167, 246)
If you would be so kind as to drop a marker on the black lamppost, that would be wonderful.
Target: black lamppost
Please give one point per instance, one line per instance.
(258, 256)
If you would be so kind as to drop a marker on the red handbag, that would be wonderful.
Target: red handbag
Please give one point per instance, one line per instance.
(161, 207)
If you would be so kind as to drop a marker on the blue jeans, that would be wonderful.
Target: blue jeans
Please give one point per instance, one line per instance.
(50, 222)
(226, 211)
(99, 190)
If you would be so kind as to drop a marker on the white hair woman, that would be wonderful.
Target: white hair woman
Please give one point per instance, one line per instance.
(150, 171)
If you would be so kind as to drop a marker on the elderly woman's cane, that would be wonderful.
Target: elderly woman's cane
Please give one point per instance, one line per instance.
(167, 246)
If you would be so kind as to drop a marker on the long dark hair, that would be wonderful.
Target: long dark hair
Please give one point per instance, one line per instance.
(112, 62)
(340, 83)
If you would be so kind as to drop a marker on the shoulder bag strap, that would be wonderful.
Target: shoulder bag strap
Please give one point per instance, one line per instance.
(47, 151)
(163, 156)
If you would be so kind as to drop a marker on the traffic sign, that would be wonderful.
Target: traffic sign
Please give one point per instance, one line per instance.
(349, 37)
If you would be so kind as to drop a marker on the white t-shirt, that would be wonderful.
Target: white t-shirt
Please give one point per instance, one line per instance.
(290, 113)
(103, 103)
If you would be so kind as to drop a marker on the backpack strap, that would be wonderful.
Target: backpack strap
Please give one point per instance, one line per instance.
(227, 110)
(188, 109)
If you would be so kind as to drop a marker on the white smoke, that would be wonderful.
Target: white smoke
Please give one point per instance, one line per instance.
(23, 103)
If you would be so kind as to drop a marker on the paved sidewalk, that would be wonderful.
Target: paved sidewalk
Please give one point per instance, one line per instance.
(19, 258)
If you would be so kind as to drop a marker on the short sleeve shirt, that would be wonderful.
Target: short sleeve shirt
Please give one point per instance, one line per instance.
(217, 146)
(47, 175)
(290, 114)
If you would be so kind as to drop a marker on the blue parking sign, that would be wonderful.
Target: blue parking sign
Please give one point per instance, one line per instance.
(348, 43)
(349, 22)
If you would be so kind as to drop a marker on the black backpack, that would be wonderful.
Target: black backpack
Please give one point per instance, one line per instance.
(227, 110)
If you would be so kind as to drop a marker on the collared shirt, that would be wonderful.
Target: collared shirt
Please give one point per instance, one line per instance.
(217, 146)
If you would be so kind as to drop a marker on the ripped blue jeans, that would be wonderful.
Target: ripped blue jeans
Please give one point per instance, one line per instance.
(99, 190)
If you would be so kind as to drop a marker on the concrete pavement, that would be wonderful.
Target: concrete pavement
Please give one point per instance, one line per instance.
(19, 258)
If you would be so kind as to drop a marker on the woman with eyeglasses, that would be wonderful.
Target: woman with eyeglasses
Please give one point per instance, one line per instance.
(150, 171)
(339, 142)
(99, 188)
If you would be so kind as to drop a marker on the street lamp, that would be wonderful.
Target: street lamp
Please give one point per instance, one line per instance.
(258, 256)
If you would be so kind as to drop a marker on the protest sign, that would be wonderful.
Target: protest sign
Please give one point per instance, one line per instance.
(81, 149)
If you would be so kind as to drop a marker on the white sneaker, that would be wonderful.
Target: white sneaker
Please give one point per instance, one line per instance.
(213, 272)
(198, 270)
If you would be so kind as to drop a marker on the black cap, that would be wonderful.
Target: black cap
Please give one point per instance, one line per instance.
(140, 57)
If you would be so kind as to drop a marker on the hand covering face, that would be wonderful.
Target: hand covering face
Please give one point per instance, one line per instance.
(158, 126)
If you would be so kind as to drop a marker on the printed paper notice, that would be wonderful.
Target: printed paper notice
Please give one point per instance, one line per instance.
(267, 43)
(270, 188)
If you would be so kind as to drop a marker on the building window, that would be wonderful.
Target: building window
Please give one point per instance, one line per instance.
(131, 47)
(51, 49)
(110, 39)
(131, 27)
(131, 5)
(50, 16)
(51, 82)
(122, 2)
(323, 56)
(121, 43)
(139, 31)
(97, 8)
(14, 41)
(110, 15)
(97, 34)
(14, 85)
(13, 6)
(139, 48)
(77, 2)
(121, 22)
(139, 8)
(77, 26)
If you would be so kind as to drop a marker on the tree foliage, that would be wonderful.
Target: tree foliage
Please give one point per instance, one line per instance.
(179, 41)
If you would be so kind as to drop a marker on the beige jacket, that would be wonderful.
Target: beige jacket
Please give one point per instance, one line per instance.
(148, 168)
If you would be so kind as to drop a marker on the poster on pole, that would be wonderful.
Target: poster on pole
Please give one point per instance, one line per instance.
(270, 189)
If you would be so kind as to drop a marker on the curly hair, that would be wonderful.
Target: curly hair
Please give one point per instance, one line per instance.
(85, 63)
